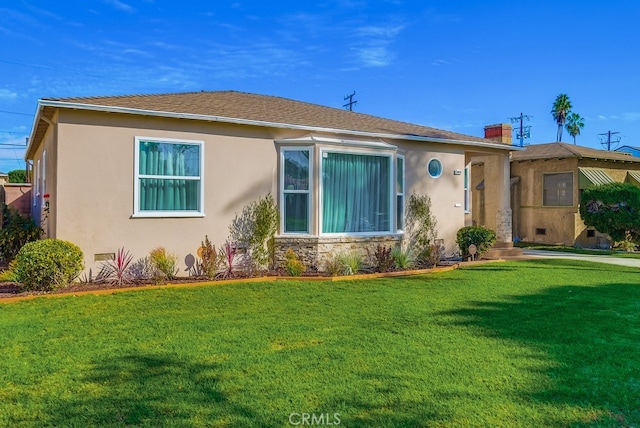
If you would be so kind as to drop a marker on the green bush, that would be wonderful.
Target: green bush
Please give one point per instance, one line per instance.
(479, 236)
(614, 209)
(402, 258)
(48, 264)
(16, 231)
(293, 266)
(165, 264)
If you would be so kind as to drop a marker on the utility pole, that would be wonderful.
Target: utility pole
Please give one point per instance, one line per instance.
(609, 141)
(522, 132)
(351, 103)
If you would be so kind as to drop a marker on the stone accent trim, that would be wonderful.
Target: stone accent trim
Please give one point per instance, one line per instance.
(315, 251)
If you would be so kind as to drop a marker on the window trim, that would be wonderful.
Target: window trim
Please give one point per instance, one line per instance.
(466, 185)
(309, 191)
(545, 174)
(389, 154)
(401, 194)
(137, 213)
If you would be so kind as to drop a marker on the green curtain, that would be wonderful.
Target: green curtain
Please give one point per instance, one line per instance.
(171, 160)
(356, 193)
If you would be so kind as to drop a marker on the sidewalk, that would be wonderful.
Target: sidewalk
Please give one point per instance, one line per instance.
(588, 257)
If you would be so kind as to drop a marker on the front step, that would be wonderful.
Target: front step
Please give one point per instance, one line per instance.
(502, 250)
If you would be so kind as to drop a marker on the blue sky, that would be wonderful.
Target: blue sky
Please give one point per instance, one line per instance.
(455, 65)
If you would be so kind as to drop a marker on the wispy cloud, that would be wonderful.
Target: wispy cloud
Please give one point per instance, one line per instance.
(121, 5)
(373, 44)
(6, 94)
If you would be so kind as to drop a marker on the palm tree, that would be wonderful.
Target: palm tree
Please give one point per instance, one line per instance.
(574, 124)
(560, 110)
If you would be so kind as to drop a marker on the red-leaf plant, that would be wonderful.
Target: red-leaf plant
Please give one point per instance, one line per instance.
(230, 251)
(116, 270)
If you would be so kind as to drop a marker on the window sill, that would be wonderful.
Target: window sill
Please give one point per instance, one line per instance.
(168, 214)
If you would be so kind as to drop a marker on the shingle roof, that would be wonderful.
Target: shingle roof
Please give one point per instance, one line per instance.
(564, 150)
(269, 109)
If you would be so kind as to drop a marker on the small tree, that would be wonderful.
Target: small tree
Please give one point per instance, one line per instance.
(17, 176)
(614, 209)
(255, 229)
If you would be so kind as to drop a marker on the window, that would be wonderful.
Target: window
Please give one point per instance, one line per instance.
(400, 193)
(356, 193)
(168, 178)
(295, 182)
(434, 167)
(558, 190)
(467, 191)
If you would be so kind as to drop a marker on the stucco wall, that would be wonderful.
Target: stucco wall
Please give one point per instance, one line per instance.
(92, 197)
(561, 225)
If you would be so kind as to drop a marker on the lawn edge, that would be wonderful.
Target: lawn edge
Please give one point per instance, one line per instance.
(107, 291)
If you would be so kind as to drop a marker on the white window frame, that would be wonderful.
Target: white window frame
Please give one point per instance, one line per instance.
(36, 182)
(309, 191)
(137, 213)
(467, 188)
(402, 193)
(392, 181)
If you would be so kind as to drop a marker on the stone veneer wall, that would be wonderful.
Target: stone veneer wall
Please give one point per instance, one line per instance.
(314, 252)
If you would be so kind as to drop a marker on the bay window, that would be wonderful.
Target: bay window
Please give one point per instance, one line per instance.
(355, 193)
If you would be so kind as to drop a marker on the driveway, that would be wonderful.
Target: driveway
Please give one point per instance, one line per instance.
(588, 257)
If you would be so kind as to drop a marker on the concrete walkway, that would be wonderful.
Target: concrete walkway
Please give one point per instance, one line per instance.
(588, 257)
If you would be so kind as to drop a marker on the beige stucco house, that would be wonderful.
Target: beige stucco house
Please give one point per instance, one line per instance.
(144, 171)
(546, 183)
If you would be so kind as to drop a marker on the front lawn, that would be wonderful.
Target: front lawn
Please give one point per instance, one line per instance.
(529, 343)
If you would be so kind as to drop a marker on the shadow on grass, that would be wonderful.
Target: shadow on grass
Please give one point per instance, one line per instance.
(590, 335)
(150, 391)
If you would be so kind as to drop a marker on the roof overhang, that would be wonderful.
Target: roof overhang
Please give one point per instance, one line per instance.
(40, 123)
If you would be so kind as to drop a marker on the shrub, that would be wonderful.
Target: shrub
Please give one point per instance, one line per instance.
(255, 229)
(333, 266)
(351, 263)
(293, 266)
(165, 264)
(381, 259)
(614, 209)
(421, 225)
(433, 254)
(48, 264)
(229, 252)
(402, 258)
(142, 269)
(116, 271)
(210, 260)
(16, 231)
(481, 237)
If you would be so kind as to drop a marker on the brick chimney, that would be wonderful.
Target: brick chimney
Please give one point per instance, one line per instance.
(500, 133)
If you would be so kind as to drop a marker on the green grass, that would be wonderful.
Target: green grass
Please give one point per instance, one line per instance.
(530, 343)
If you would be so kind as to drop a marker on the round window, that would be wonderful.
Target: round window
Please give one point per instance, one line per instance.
(435, 168)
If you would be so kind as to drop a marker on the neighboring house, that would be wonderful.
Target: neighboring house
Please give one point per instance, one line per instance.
(633, 151)
(4, 178)
(144, 171)
(546, 184)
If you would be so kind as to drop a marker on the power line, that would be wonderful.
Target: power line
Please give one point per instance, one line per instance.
(523, 132)
(609, 141)
(351, 103)
(15, 112)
